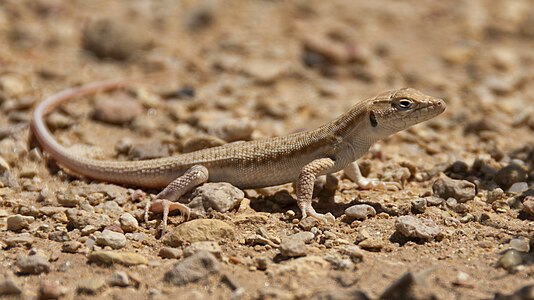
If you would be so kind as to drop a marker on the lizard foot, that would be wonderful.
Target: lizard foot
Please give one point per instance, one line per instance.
(309, 211)
(165, 206)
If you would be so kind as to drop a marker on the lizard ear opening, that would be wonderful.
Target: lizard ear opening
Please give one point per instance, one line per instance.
(372, 119)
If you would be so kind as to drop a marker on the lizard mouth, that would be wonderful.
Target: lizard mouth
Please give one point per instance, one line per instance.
(431, 109)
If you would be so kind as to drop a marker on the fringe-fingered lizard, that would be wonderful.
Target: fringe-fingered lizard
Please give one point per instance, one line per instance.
(299, 157)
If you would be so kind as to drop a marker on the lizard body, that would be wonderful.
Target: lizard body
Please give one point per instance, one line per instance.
(298, 157)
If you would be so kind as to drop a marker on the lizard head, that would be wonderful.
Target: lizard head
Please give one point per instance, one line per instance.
(396, 110)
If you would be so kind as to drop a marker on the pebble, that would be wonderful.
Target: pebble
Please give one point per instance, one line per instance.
(308, 223)
(257, 239)
(336, 52)
(110, 208)
(50, 290)
(124, 145)
(33, 264)
(463, 279)
(353, 251)
(419, 205)
(8, 286)
(119, 278)
(137, 236)
(528, 205)
(434, 201)
(208, 246)
(87, 230)
(58, 120)
(94, 190)
(71, 246)
(117, 110)
(509, 175)
(80, 219)
(520, 244)
(193, 268)
(264, 71)
(198, 230)
(20, 240)
(128, 223)
(51, 210)
(107, 38)
(68, 199)
(408, 286)
(148, 151)
(500, 206)
(219, 196)
(124, 258)
(183, 131)
(60, 235)
(12, 85)
(231, 130)
(147, 125)
(171, 253)
(360, 211)
(261, 263)
(510, 260)
(461, 190)
(518, 188)
(372, 244)
(305, 236)
(115, 240)
(494, 194)
(18, 222)
(28, 171)
(413, 227)
(292, 247)
(91, 286)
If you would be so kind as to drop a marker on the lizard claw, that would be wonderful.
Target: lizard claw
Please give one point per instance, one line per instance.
(165, 206)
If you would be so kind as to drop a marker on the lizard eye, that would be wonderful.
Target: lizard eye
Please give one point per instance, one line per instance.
(405, 103)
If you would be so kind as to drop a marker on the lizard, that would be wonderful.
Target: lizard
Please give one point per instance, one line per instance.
(299, 157)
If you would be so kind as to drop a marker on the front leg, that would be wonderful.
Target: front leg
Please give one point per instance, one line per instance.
(305, 187)
(352, 171)
(165, 201)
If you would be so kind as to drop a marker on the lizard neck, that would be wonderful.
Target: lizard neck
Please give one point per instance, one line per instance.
(352, 129)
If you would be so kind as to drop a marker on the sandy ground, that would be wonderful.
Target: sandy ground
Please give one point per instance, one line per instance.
(242, 70)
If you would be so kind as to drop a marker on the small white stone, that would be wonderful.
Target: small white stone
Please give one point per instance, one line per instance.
(128, 222)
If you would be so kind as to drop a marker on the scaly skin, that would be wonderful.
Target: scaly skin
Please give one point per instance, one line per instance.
(298, 157)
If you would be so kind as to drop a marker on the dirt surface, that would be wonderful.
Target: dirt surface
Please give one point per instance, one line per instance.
(242, 70)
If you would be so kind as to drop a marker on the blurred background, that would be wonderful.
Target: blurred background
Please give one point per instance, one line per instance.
(281, 56)
(242, 70)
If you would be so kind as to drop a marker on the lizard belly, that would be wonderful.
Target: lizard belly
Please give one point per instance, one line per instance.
(254, 176)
